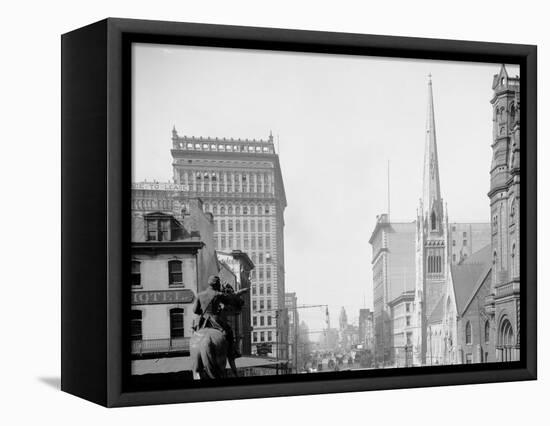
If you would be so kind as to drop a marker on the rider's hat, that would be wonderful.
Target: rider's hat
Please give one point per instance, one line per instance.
(213, 279)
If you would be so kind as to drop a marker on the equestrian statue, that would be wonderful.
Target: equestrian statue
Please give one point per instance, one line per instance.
(212, 344)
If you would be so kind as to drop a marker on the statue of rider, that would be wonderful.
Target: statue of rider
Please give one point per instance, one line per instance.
(210, 308)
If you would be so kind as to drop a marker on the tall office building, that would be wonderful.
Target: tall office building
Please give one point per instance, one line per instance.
(393, 274)
(240, 183)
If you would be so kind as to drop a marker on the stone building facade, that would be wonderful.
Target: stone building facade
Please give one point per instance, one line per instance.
(504, 194)
(171, 252)
(475, 341)
(393, 269)
(241, 184)
(467, 238)
(402, 315)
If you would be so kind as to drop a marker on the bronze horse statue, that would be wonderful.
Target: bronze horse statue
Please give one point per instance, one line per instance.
(208, 349)
(209, 345)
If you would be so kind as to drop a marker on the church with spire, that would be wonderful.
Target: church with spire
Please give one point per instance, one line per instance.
(461, 303)
(432, 263)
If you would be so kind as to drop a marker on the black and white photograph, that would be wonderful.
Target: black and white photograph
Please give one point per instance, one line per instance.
(294, 212)
(306, 213)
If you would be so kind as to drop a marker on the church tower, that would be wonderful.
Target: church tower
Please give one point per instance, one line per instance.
(504, 198)
(431, 240)
(505, 159)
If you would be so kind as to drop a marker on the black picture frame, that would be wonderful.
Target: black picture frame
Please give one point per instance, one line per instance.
(96, 96)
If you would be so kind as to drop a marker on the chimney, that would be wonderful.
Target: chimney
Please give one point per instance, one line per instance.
(192, 221)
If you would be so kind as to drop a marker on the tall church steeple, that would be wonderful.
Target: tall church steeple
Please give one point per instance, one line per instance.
(432, 266)
(431, 193)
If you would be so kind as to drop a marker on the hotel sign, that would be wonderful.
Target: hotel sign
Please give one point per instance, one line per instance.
(162, 297)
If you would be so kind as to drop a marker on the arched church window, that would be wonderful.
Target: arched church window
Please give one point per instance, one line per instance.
(468, 333)
(433, 221)
(512, 113)
(506, 337)
(503, 113)
(487, 331)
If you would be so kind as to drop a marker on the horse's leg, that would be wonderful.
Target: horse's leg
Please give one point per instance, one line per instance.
(214, 366)
(196, 360)
(207, 359)
(233, 366)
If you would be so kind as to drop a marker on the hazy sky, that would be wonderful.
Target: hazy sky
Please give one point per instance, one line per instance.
(338, 120)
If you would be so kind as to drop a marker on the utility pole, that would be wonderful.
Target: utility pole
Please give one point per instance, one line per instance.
(296, 328)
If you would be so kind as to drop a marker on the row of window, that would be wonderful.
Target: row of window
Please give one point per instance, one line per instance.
(463, 256)
(514, 267)
(500, 113)
(229, 209)
(262, 335)
(263, 304)
(175, 273)
(215, 187)
(158, 229)
(258, 273)
(224, 147)
(230, 242)
(223, 177)
(176, 324)
(220, 225)
(227, 182)
(434, 264)
(464, 243)
(261, 289)
(506, 343)
(263, 321)
(512, 214)
(464, 234)
(259, 258)
(468, 332)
